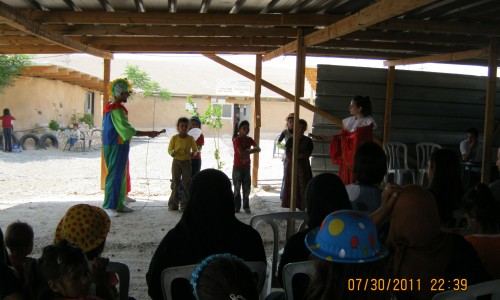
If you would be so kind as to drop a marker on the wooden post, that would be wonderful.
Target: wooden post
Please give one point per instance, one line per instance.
(489, 110)
(105, 99)
(299, 82)
(389, 97)
(257, 117)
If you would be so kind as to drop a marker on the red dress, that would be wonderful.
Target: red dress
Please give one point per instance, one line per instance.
(344, 145)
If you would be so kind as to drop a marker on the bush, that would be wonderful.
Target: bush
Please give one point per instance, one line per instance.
(87, 119)
(54, 125)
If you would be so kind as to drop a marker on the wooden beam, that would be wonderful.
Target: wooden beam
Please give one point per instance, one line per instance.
(161, 18)
(17, 20)
(169, 30)
(389, 97)
(35, 49)
(190, 49)
(274, 88)
(257, 116)
(489, 110)
(439, 57)
(373, 14)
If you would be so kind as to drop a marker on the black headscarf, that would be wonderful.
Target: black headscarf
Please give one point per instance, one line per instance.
(210, 206)
(325, 193)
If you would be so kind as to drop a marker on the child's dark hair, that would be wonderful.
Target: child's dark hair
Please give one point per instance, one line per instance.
(237, 127)
(473, 131)
(303, 123)
(57, 261)
(6, 112)
(224, 276)
(480, 204)
(19, 238)
(370, 163)
(365, 103)
(182, 120)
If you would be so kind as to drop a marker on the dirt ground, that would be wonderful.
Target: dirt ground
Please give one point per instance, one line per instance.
(38, 186)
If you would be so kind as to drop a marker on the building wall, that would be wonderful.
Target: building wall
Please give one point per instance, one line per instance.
(36, 101)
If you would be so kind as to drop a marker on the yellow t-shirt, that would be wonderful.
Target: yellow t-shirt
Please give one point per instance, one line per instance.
(181, 147)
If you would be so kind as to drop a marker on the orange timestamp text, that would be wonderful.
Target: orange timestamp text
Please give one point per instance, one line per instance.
(383, 284)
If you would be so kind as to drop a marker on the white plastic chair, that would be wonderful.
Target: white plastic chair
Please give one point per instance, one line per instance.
(472, 292)
(292, 269)
(424, 151)
(398, 165)
(184, 272)
(274, 220)
(123, 274)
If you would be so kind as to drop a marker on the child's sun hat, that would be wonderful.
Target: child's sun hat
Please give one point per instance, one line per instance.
(346, 236)
(83, 225)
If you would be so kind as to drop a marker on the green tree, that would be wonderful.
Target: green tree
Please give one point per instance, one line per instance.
(11, 67)
(141, 80)
(212, 117)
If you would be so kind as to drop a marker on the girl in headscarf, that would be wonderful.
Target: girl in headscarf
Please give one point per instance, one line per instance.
(420, 250)
(207, 226)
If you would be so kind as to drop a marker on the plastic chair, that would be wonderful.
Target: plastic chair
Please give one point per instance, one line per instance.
(276, 149)
(398, 165)
(184, 272)
(292, 269)
(424, 151)
(123, 274)
(274, 219)
(472, 292)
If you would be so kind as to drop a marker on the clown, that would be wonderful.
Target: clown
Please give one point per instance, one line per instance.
(116, 135)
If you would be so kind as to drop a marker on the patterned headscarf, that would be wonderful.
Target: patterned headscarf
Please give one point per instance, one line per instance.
(83, 225)
(118, 86)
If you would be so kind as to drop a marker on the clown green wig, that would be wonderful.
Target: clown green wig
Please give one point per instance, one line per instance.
(118, 86)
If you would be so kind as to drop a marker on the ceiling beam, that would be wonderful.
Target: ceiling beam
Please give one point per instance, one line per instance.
(172, 6)
(373, 14)
(205, 4)
(140, 6)
(169, 30)
(439, 27)
(35, 49)
(183, 41)
(107, 7)
(237, 6)
(190, 49)
(95, 17)
(72, 5)
(439, 57)
(15, 19)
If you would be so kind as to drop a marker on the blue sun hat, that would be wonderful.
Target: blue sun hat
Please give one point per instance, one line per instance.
(346, 236)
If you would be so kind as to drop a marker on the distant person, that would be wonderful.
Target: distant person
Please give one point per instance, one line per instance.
(182, 147)
(286, 134)
(224, 276)
(304, 172)
(370, 168)
(87, 227)
(10, 284)
(483, 215)
(207, 226)
(116, 135)
(469, 148)
(346, 248)
(65, 273)
(74, 136)
(445, 183)
(7, 126)
(355, 130)
(19, 238)
(243, 146)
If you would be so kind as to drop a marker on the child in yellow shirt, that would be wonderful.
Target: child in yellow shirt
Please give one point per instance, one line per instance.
(182, 147)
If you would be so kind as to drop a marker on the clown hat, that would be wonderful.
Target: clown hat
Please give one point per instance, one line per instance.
(83, 225)
(346, 236)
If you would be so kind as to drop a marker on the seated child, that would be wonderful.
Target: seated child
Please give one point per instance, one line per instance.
(74, 136)
(19, 241)
(347, 247)
(223, 276)
(65, 273)
(92, 227)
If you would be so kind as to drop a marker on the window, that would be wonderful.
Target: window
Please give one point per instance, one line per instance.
(89, 103)
(227, 110)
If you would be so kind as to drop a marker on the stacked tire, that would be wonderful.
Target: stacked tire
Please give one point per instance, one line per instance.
(31, 141)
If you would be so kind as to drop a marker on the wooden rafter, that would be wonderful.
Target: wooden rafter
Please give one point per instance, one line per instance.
(63, 74)
(373, 14)
(15, 19)
(439, 58)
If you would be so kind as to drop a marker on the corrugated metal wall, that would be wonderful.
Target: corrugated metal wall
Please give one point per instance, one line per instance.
(427, 107)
